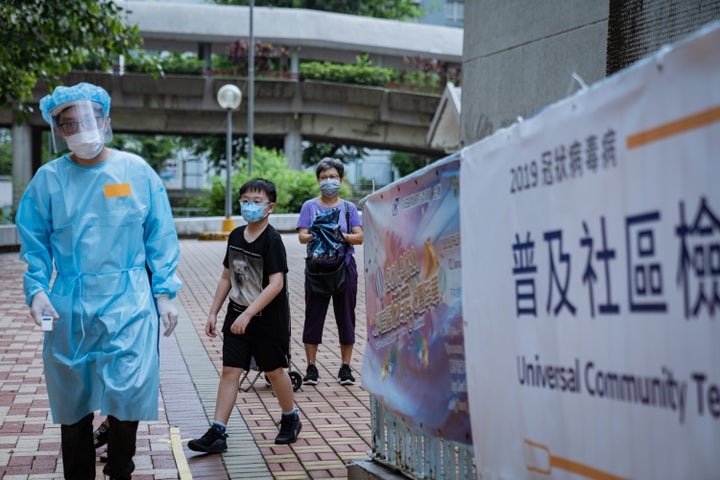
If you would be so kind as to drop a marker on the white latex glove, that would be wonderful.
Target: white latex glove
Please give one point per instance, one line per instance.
(40, 302)
(168, 314)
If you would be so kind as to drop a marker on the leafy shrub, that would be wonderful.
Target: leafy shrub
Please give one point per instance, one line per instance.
(182, 63)
(422, 74)
(92, 61)
(293, 186)
(164, 63)
(222, 62)
(361, 73)
(4, 217)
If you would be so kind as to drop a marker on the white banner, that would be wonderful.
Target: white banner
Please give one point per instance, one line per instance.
(591, 279)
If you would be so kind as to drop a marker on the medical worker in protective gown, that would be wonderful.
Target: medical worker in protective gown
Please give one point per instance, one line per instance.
(98, 216)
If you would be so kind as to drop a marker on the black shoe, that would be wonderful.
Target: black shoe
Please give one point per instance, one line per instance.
(212, 442)
(100, 435)
(345, 375)
(290, 427)
(312, 375)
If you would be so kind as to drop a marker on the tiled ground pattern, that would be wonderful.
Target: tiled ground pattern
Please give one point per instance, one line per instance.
(336, 419)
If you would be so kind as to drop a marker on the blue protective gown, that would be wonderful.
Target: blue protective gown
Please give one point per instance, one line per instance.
(100, 225)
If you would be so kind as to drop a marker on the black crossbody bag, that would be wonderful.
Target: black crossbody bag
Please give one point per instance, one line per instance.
(328, 281)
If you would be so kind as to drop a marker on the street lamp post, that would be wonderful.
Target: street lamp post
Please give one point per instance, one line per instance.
(251, 90)
(229, 97)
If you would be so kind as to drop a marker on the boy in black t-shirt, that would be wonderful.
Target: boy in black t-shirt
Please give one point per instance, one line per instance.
(257, 320)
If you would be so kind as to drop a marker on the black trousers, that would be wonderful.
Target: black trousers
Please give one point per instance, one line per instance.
(78, 449)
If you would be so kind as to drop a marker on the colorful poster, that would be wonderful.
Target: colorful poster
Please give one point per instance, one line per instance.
(591, 295)
(414, 361)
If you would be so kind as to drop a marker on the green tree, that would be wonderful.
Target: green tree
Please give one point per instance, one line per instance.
(153, 148)
(5, 152)
(392, 9)
(407, 163)
(314, 152)
(294, 187)
(214, 148)
(5, 168)
(43, 39)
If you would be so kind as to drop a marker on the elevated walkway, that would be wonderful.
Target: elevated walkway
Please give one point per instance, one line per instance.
(319, 111)
(310, 34)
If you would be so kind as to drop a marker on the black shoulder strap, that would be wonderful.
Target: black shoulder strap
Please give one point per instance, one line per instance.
(347, 216)
(347, 221)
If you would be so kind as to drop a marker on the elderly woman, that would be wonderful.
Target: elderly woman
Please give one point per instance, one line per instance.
(329, 173)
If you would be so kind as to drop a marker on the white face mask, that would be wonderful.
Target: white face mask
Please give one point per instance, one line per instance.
(86, 144)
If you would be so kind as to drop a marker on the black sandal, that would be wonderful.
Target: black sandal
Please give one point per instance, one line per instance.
(100, 435)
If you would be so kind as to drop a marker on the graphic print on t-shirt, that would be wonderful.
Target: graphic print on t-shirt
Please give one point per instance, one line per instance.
(246, 274)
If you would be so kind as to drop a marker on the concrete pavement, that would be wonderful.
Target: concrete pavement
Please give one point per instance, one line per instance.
(336, 419)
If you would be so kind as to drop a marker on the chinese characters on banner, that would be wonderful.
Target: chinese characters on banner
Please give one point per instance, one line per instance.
(414, 361)
(696, 270)
(592, 290)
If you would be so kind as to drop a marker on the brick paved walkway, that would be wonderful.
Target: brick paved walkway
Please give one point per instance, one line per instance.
(336, 419)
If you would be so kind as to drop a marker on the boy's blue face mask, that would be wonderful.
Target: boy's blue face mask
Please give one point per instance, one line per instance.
(252, 212)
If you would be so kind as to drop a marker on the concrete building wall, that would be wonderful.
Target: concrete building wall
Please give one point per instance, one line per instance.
(637, 28)
(519, 56)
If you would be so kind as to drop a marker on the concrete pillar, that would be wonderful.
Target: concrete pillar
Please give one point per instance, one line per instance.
(293, 147)
(22, 159)
(294, 62)
(36, 148)
(119, 66)
(205, 53)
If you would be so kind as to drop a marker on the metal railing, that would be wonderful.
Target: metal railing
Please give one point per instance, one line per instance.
(415, 454)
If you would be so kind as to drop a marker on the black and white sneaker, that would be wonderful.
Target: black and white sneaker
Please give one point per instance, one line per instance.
(290, 426)
(212, 442)
(311, 378)
(101, 435)
(345, 375)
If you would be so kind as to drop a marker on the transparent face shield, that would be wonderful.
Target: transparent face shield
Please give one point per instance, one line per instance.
(80, 127)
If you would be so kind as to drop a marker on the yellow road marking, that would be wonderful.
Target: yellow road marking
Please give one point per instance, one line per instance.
(691, 122)
(179, 454)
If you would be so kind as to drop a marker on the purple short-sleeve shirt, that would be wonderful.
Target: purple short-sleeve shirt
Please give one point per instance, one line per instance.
(311, 208)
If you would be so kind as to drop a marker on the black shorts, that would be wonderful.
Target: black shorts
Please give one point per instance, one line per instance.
(270, 353)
